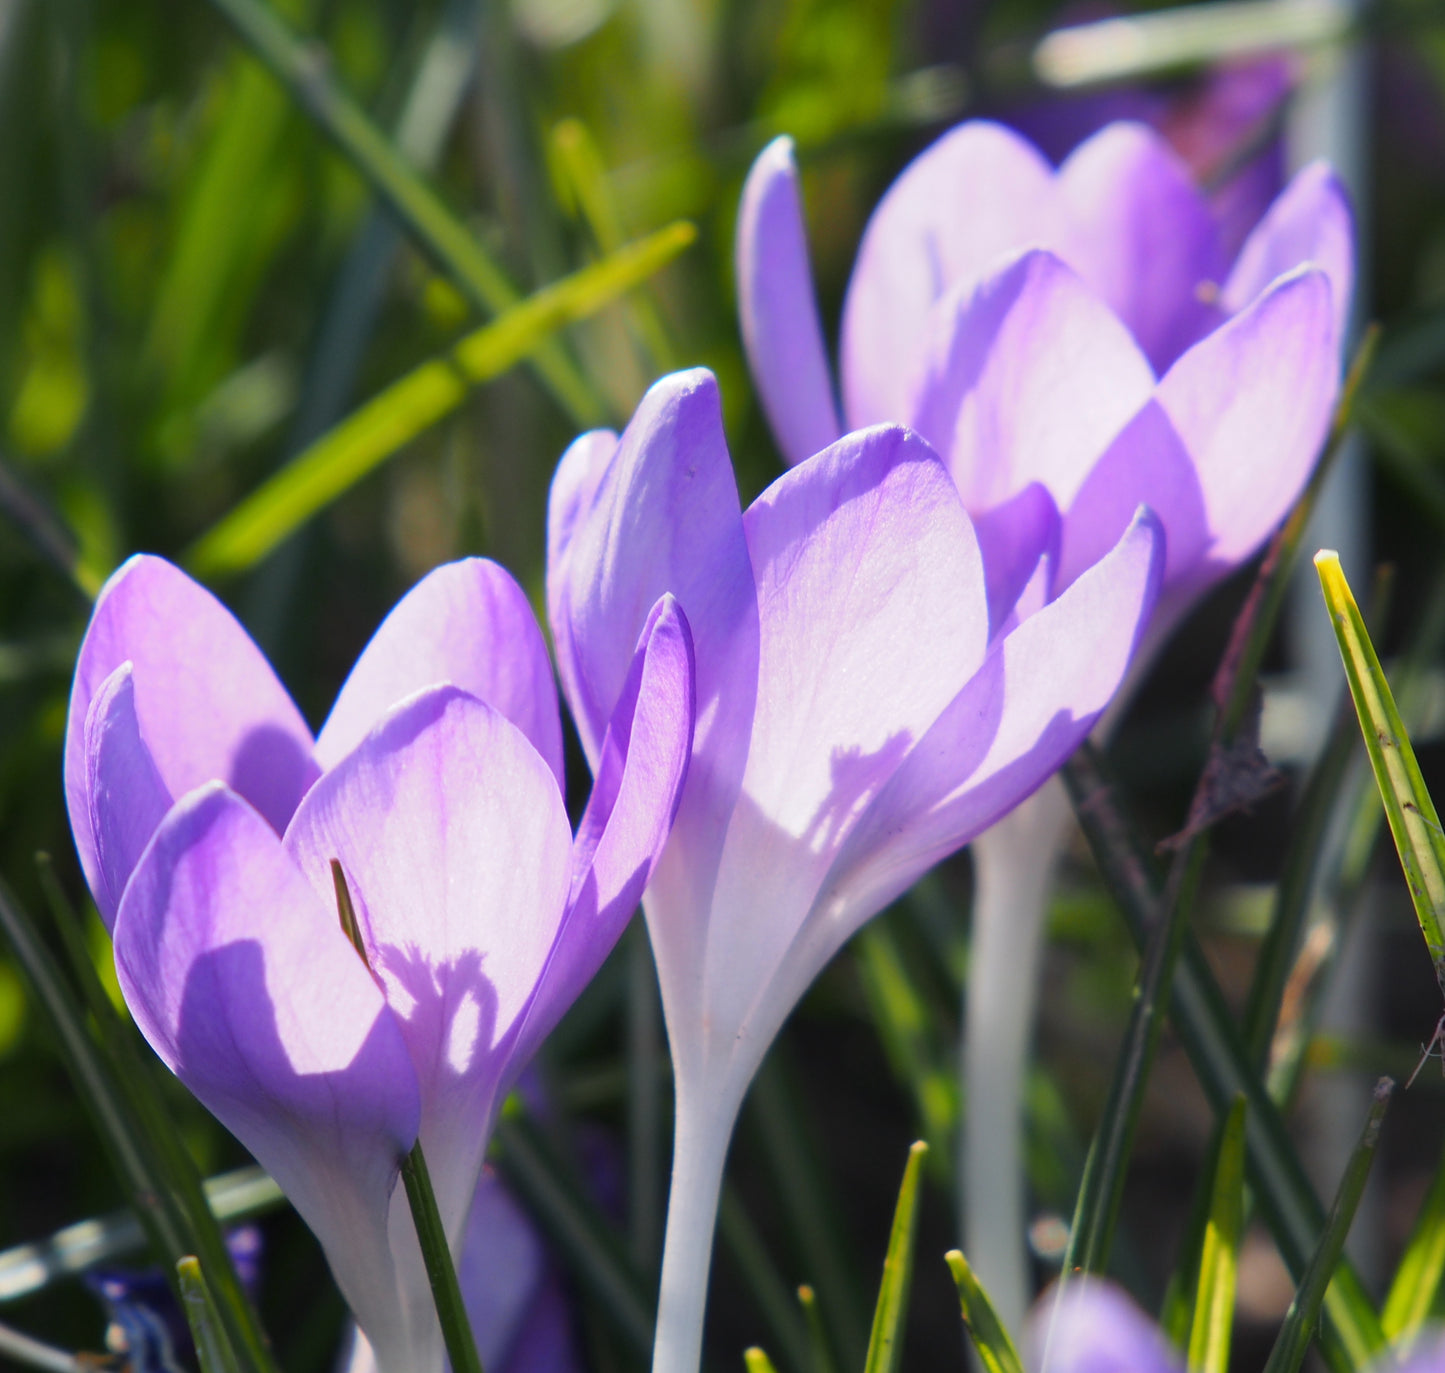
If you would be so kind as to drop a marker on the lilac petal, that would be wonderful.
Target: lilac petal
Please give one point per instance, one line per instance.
(1148, 464)
(208, 705)
(979, 194)
(781, 332)
(634, 800)
(1309, 222)
(1020, 717)
(1093, 1327)
(873, 614)
(450, 829)
(1143, 236)
(665, 518)
(1028, 377)
(246, 987)
(1252, 439)
(1013, 538)
(468, 624)
(125, 796)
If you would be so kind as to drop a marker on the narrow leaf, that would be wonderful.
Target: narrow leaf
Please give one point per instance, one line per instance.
(1219, 1261)
(1102, 1187)
(441, 1272)
(996, 1350)
(886, 1345)
(386, 423)
(757, 1362)
(1304, 1312)
(1413, 822)
(822, 1356)
(213, 1350)
(305, 70)
(1422, 1268)
(1206, 1029)
(753, 1261)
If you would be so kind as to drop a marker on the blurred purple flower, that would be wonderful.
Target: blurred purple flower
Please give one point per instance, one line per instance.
(867, 702)
(513, 1290)
(1092, 1326)
(1019, 318)
(210, 838)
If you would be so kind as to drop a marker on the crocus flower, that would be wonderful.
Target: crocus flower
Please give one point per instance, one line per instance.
(216, 834)
(855, 723)
(1076, 340)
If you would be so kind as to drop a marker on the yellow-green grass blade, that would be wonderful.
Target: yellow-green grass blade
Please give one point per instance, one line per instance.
(996, 1350)
(1422, 1266)
(1413, 822)
(213, 1350)
(386, 423)
(886, 1345)
(1209, 1337)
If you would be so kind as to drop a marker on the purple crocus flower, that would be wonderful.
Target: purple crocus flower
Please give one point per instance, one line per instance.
(1073, 342)
(867, 702)
(214, 833)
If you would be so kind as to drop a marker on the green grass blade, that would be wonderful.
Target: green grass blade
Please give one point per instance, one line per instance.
(1422, 1267)
(1413, 822)
(1206, 1029)
(305, 71)
(441, 1272)
(821, 1360)
(1102, 1188)
(885, 1348)
(386, 423)
(756, 1361)
(996, 1350)
(213, 1350)
(1209, 1339)
(1304, 1312)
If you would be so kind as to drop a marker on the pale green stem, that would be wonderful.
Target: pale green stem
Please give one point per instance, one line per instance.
(1013, 869)
(702, 1131)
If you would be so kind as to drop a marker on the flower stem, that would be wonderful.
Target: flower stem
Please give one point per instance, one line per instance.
(700, 1150)
(1013, 868)
(440, 1271)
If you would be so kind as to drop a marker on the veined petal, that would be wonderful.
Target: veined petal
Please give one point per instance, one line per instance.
(1143, 236)
(1252, 404)
(665, 518)
(873, 614)
(125, 796)
(781, 332)
(1037, 695)
(628, 818)
(469, 624)
(1013, 538)
(980, 193)
(1148, 464)
(208, 705)
(246, 987)
(1028, 377)
(450, 830)
(1309, 222)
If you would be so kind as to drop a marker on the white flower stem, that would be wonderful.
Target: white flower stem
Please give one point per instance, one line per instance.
(700, 1145)
(1013, 869)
